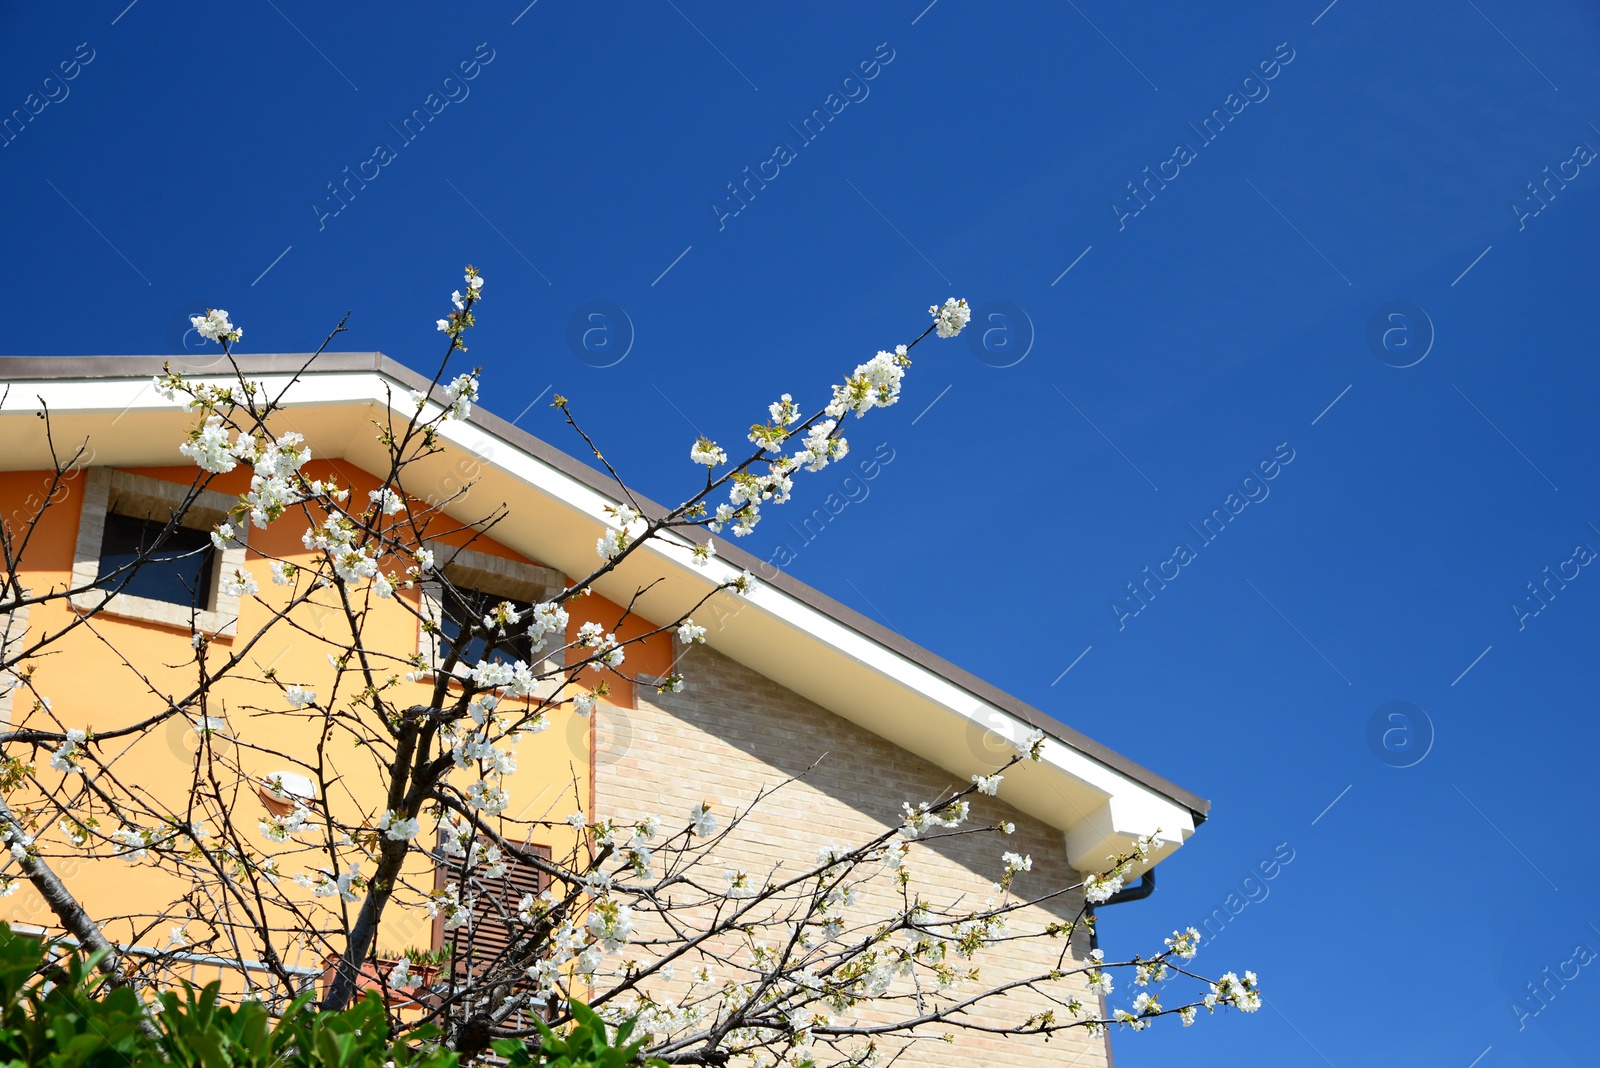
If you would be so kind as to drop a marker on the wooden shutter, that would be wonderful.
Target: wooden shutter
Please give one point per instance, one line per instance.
(481, 945)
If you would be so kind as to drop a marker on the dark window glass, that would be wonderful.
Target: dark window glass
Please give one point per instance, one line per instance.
(465, 609)
(179, 572)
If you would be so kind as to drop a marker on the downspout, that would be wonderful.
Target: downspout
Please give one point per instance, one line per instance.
(1137, 892)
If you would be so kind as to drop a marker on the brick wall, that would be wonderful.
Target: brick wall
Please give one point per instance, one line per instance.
(734, 732)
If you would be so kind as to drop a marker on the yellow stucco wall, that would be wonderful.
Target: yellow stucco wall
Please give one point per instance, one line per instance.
(93, 679)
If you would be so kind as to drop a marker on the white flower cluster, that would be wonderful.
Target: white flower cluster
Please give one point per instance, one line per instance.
(65, 758)
(21, 843)
(707, 452)
(209, 447)
(77, 831)
(449, 904)
(619, 537)
(1243, 994)
(300, 697)
(1185, 944)
(1015, 862)
(461, 318)
(397, 828)
(988, 784)
(951, 318)
(1097, 889)
(547, 618)
(387, 500)
(239, 583)
(400, 974)
(336, 539)
(214, 326)
(875, 384)
(690, 632)
(607, 652)
(282, 828)
(136, 842)
(1033, 745)
(273, 485)
(323, 883)
(1145, 1008)
(920, 820)
(463, 390)
(488, 860)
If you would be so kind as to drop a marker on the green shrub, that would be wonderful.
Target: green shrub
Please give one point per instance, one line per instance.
(62, 1014)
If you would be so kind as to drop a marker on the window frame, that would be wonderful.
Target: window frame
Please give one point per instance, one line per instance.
(13, 635)
(107, 491)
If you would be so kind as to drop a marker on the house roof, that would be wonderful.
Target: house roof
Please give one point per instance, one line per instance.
(786, 630)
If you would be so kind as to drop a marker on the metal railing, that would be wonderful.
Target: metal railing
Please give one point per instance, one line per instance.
(215, 967)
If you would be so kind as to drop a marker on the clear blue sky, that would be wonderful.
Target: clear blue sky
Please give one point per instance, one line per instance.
(1173, 350)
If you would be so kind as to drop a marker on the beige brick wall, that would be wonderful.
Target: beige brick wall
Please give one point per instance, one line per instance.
(734, 732)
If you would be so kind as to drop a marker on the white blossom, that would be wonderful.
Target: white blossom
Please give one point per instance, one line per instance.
(283, 828)
(950, 318)
(463, 390)
(988, 784)
(690, 632)
(487, 796)
(784, 411)
(239, 583)
(611, 924)
(1185, 944)
(546, 619)
(1244, 994)
(299, 696)
(214, 326)
(208, 447)
(707, 452)
(387, 499)
(701, 821)
(65, 757)
(1098, 888)
(397, 828)
(874, 384)
(400, 974)
(135, 843)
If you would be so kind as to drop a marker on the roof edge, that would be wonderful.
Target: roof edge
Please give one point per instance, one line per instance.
(22, 368)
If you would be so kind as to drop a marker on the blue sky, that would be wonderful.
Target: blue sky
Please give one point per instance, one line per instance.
(1365, 205)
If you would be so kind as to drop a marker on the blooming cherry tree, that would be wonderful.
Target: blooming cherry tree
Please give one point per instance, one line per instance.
(830, 961)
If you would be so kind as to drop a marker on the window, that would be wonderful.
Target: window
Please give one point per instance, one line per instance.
(179, 572)
(179, 585)
(464, 609)
(478, 582)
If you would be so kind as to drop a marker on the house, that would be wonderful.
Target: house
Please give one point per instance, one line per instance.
(788, 681)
